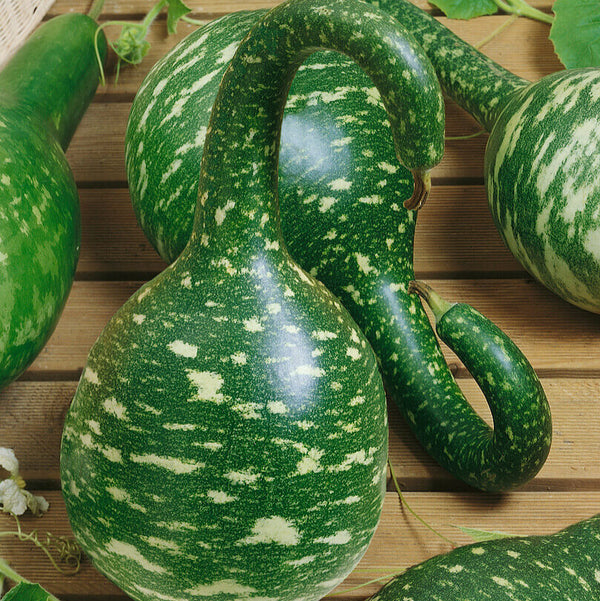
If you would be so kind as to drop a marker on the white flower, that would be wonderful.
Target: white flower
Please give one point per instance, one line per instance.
(8, 461)
(13, 496)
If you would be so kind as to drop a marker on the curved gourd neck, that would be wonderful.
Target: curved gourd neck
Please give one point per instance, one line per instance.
(478, 84)
(54, 75)
(238, 179)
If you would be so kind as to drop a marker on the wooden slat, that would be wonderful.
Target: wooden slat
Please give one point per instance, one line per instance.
(555, 336)
(41, 406)
(445, 243)
(535, 59)
(213, 7)
(97, 152)
(399, 542)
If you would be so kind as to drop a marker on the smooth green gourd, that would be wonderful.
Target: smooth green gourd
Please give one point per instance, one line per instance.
(341, 193)
(541, 158)
(228, 437)
(560, 566)
(44, 91)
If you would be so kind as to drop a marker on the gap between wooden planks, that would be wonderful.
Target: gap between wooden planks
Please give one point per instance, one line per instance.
(400, 540)
(446, 243)
(558, 338)
(575, 405)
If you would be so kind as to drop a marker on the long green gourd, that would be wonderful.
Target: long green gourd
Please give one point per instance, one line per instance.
(342, 218)
(44, 91)
(228, 437)
(541, 158)
(557, 567)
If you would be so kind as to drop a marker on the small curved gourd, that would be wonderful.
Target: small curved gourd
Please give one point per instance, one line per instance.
(228, 437)
(342, 218)
(44, 91)
(555, 567)
(541, 158)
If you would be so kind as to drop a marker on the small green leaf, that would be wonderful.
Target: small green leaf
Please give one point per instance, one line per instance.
(480, 536)
(131, 46)
(28, 592)
(575, 32)
(176, 10)
(466, 9)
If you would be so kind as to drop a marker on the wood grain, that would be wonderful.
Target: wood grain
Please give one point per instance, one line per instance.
(534, 59)
(42, 406)
(399, 542)
(555, 336)
(213, 7)
(455, 236)
(97, 152)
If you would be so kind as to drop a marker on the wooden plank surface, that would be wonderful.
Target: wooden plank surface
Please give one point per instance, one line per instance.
(573, 401)
(457, 249)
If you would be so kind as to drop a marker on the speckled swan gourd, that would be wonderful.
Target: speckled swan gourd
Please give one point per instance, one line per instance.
(342, 192)
(542, 157)
(228, 436)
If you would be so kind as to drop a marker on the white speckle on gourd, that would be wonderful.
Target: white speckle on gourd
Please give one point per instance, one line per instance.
(91, 376)
(139, 319)
(302, 561)
(227, 53)
(341, 537)
(277, 407)
(253, 325)
(242, 477)
(220, 497)
(357, 400)
(340, 184)
(132, 553)
(273, 308)
(183, 349)
(207, 384)
(374, 199)
(240, 358)
(118, 410)
(172, 464)
(274, 529)
(353, 353)
(326, 203)
(309, 370)
(3, 257)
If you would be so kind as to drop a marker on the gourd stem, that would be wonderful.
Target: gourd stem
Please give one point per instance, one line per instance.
(522, 9)
(487, 39)
(10, 574)
(478, 84)
(95, 9)
(422, 187)
(257, 83)
(438, 305)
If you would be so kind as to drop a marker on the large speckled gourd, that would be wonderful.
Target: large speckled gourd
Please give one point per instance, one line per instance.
(341, 195)
(44, 91)
(541, 160)
(557, 567)
(228, 436)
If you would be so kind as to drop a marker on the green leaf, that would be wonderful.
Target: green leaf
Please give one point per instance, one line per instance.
(575, 32)
(176, 10)
(28, 592)
(480, 536)
(466, 9)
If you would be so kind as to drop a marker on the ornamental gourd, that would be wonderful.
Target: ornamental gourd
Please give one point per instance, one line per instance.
(541, 159)
(341, 193)
(228, 436)
(44, 91)
(560, 566)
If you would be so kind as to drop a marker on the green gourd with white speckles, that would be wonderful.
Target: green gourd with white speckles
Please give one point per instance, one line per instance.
(556, 567)
(541, 160)
(228, 437)
(341, 194)
(44, 92)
